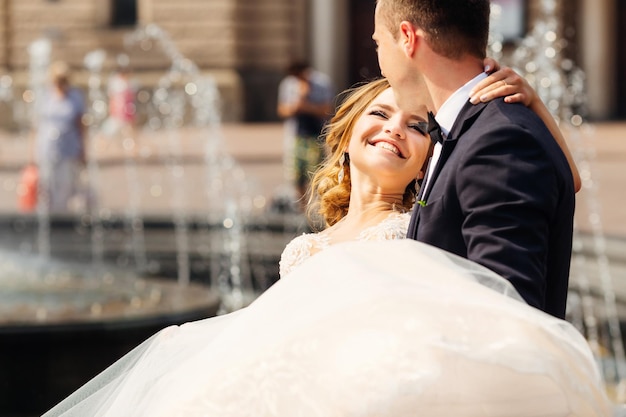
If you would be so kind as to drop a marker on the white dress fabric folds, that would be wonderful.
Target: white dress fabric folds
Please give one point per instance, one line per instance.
(394, 328)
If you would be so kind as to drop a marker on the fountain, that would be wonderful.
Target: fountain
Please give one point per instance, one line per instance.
(592, 305)
(79, 290)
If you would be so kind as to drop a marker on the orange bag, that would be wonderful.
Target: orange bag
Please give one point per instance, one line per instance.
(27, 188)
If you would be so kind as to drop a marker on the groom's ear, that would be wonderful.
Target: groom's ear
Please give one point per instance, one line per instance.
(408, 37)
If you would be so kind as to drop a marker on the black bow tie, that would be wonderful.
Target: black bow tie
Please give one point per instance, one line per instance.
(434, 130)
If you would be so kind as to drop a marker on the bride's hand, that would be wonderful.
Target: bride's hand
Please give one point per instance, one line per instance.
(503, 82)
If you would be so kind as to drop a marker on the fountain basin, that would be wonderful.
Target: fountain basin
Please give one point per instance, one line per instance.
(56, 335)
(45, 359)
(65, 319)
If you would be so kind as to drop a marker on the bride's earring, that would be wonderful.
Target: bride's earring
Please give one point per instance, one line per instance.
(418, 182)
(342, 161)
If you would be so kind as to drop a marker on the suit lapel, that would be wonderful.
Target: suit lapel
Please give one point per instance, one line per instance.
(446, 149)
(469, 112)
(464, 120)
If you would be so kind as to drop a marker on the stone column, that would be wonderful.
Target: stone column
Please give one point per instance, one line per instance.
(597, 43)
(145, 11)
(102, 13)
(329, 39)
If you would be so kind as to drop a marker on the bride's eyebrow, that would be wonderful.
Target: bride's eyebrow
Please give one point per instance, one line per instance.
(417, 117)
(390, 108)
(382, 106)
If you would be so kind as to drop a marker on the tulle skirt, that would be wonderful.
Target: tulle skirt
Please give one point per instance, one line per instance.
(394, 328)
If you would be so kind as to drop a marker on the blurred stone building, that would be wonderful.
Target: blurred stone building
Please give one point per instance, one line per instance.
(246, 44)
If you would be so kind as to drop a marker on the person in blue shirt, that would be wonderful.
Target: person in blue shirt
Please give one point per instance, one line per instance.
(59, 139)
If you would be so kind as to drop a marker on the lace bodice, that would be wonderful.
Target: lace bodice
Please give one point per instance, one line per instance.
(302, 247)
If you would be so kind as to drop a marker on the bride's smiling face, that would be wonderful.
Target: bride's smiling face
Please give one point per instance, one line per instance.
(389, 145)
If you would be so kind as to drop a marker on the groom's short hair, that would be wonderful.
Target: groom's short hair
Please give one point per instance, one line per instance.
(454, 27)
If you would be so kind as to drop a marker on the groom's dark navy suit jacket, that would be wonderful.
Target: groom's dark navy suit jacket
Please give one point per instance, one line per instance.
(502, 195)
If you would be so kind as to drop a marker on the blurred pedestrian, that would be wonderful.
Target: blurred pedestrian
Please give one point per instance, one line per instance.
(122, 92)
(305, 102)
(59, 150)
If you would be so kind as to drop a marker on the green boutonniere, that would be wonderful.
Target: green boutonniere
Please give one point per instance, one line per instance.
(421, 203)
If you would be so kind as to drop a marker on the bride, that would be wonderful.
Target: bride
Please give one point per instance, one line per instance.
(369, 326)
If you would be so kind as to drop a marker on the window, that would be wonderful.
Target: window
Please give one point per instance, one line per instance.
(123, 13)
(509, 18)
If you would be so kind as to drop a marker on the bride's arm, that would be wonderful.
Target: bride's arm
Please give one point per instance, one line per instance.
(515, 89)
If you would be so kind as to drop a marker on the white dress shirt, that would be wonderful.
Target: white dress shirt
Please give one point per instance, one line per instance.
(446, 116)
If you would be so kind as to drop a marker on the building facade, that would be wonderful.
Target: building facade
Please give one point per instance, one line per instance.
(246, 44)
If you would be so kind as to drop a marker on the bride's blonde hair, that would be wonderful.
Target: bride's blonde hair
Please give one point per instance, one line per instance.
(329, 199)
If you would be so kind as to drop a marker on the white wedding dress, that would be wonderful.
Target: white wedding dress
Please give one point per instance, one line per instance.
(374, 327)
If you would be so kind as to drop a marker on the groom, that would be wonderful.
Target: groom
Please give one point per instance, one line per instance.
(498, 190)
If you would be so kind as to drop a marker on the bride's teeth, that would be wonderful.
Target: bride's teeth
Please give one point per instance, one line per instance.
(388, 146)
